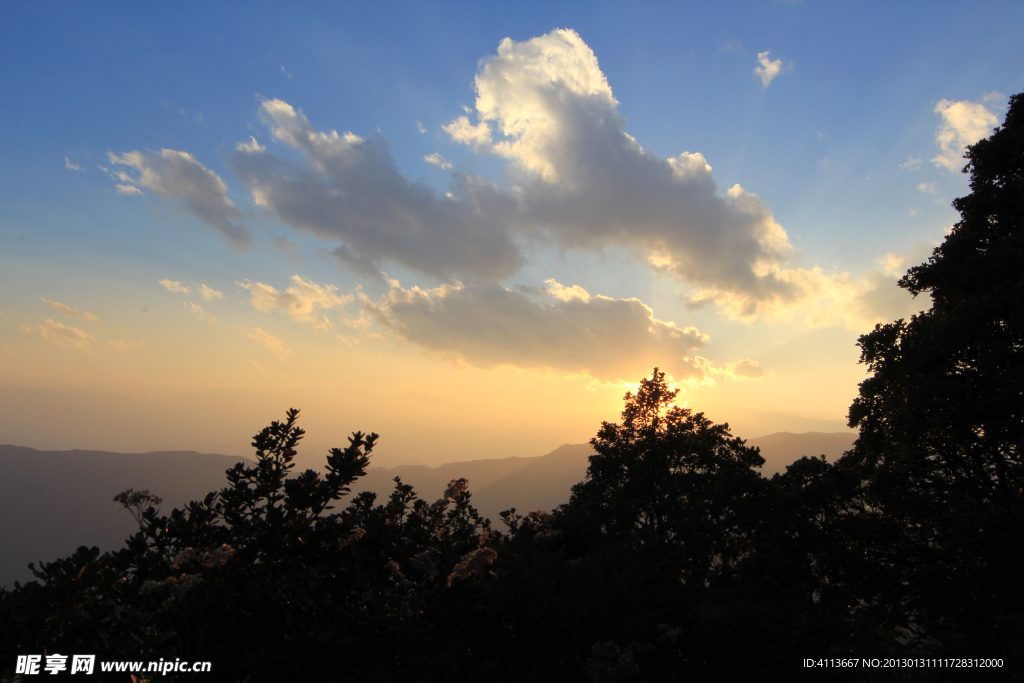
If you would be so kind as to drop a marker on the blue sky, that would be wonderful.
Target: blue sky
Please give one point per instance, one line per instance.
(843, 123)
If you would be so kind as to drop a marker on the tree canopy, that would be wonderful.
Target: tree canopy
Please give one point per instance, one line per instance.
(941, 417)
(668, 480)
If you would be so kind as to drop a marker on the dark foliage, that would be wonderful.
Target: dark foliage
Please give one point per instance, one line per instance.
(942, 418)
(673, 560)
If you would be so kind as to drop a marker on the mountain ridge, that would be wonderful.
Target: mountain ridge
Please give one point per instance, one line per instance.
(51, 502)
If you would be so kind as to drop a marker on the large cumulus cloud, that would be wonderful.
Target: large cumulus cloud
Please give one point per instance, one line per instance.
(578, 180)
(583, 182)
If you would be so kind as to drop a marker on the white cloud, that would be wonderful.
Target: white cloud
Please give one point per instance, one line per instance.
(266, 339)
(893, 263)
(581, 181)
(858, 302)
(766, 69)
(126, 346)
(59, 334)
(463, 131)
(438, 160)
(197, 311)
(927, 188)
(577, 180)
(963, 124)
(745, 369)
(912, 163)
(251, 147)
(531, 92)
(174, 286)
(729, 44)
(208, 293)
(72, 166)
(304, 301)
(128, 189)
(361, 326)
(420, 127)
(349, 189)
(175, 175)
(559, 328)
(70, 311)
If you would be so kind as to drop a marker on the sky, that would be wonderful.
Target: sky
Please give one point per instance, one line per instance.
(470, 228)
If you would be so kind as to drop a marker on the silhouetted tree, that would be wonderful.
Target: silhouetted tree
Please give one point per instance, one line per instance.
(259, 579)
(942, 416)
(671, 482)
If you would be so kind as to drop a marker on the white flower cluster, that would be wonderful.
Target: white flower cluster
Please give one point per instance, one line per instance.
(133, 498)
(177, 586)
(488, 537)
(351, 537)
(456, 487)
(471, 564)
(209, 559)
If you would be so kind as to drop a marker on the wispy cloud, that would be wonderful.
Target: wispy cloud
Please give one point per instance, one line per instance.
(69, 311)
(208, 293)
(767, 69)
(729, 44)
(266, 339)
(927, 188)
(304, 301)
(893, 263)
(745, 369)
(126, 346)
(59, 334)
(72, 166)
(174, 286)
(198, 312)
(438, 160)
(178, 176)
(912, 164)
(256, 366)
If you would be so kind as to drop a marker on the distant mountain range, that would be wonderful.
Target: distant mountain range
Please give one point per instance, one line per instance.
(51, 502)
(545, 482)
